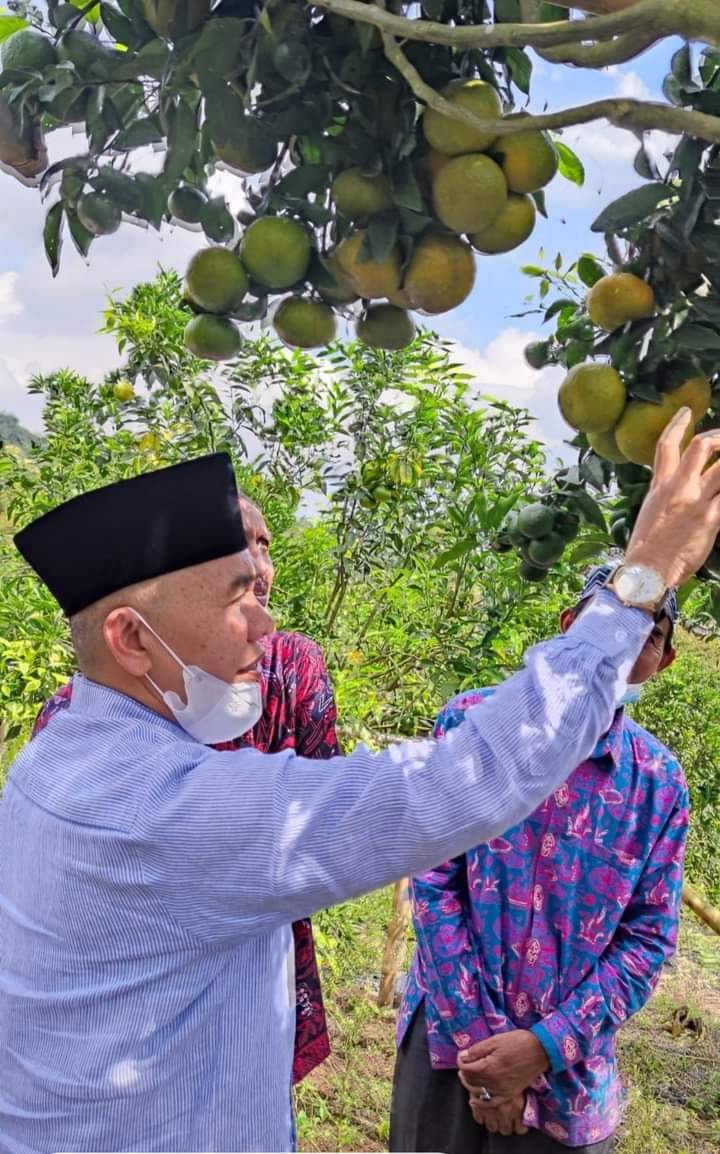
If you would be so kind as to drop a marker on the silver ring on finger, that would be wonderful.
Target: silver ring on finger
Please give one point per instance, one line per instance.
(485, 1094)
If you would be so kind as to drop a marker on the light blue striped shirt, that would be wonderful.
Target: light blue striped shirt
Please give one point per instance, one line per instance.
(147, 885)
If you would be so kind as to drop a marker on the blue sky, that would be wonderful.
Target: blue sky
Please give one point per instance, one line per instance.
(46, 324)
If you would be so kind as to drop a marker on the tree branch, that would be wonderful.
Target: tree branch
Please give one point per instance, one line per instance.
(691, 19)
(638, 115)
(616, 51)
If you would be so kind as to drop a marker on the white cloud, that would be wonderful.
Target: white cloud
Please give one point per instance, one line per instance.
(51, 323)
(10, 306)
(602, 142)
(502, 362)
(632, 86)
(500, 371)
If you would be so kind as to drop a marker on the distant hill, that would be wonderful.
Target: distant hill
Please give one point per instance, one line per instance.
(13, 433)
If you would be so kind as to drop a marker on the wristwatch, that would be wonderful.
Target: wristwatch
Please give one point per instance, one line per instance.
(638, 586)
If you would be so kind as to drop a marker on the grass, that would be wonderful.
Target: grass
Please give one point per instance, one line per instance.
(671, 1069)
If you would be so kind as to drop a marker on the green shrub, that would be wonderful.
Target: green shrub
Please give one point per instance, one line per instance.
(682, 708)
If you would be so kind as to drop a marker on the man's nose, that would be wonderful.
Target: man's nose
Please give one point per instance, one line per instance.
(260, 622)
(261, 563)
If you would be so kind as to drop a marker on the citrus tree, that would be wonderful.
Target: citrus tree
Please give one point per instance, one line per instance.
(638, 333)
(390, 566)
(379, 148)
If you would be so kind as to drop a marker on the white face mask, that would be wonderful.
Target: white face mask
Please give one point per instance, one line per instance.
(632, 694)
(215, 710)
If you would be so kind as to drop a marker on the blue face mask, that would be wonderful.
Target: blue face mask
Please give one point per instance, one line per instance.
(632, 694)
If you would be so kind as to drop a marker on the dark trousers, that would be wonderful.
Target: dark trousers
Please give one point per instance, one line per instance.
(430, 1111)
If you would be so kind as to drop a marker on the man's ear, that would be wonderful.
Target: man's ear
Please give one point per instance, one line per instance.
(667, 658)
(566, 619)
(125, 638)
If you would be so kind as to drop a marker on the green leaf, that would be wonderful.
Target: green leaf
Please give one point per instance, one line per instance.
(181, 139)
(633, 207)
(405, 190)
(589, 508)
(52, 236)
(314, 212)
(381, 236)
(644, 165)
(80, 164)
(709, 66)
(72, 184)
(698, 338)
(98, 130)
(140, 133)
(540, 202)
(707, 309)
(571, 166)
(120, 28)
(152, 198)
(414, 223)
(457, 551)
(151, 60)
(81, 238)
(302, 180)
(673, 91)
(251, 310)
(586, 550)
(589, 269)
(532, 270)
(681, 66)
(593, 471)
(558, 305)
(92, 14)
(520, 66)
(59, 81)
(9, 24)
(685, 591)
(119, 186)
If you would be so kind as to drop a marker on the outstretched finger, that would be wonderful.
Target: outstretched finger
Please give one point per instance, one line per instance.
(669, 447)
(700, 452)
(711, 480)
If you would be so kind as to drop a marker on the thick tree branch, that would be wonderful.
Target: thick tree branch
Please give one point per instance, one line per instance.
(691, 19)
(617, 51)
(638, 115)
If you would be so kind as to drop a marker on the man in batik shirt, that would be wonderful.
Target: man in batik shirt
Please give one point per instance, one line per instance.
(534, 949)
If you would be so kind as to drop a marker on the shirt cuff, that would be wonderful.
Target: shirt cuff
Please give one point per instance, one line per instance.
(558, 1040)
(617, 630)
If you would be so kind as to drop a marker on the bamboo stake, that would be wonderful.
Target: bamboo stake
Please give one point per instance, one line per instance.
(702, 908)
(394, 946)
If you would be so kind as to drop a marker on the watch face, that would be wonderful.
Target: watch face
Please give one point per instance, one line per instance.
(640, 585)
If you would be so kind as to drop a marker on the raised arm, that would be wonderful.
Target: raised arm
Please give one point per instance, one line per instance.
(291, 835)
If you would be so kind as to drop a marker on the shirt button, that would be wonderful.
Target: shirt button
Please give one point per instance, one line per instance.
(620, 635)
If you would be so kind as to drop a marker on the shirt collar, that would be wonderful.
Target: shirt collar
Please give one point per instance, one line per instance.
(611, 745)
(96, 700)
